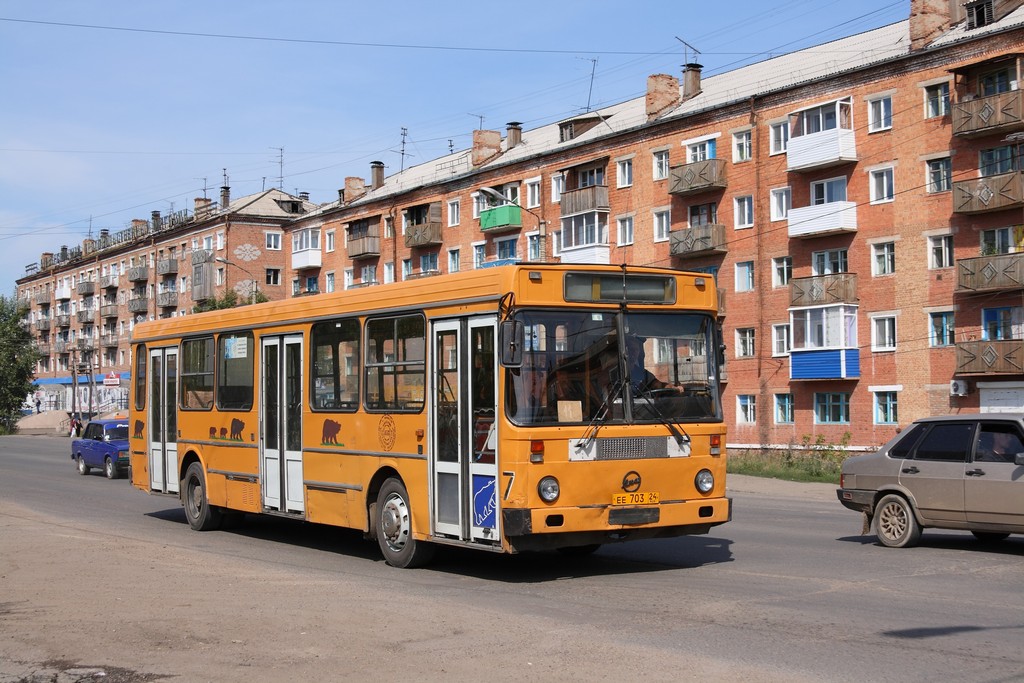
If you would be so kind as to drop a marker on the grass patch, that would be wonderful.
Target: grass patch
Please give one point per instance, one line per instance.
(819, 461)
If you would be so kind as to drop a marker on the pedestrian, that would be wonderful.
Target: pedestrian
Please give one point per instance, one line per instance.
(38, 404)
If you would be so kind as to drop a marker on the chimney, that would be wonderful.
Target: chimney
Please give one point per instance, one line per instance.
(203, 205)
(355, 187)
(304, 196)
(155, 222)
(662, 94)
(514, 135)
(225, 196)
(486, 146)
(376, 174)
(691, 81)
(46, 260)
(931, 18)
(88, 246)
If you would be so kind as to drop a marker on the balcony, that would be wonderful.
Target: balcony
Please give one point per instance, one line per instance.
(42, 348)
(138, 305)
(591, 198)
(306, 259)
(167, 266)
(86, 344)
(423, 235)
(823, 219)
(108, 311)
(43, 325)
(167, 299)
(995, 273)
(86, 288)
(86, 315)
(700, 240)
(501, 218)
(1000, 113)
(43, 298)
(826, 148)
(138, 274)
(819, 364)
(109, 340)
(991, 193)
(62, 293)
(108, 282)
(700, 176)
(367, 246)
(62, 346)
(1001, 357)
(63, 320)
(823, 290)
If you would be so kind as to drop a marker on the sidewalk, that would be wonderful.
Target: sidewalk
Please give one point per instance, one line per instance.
(47, 423)
(743, 483)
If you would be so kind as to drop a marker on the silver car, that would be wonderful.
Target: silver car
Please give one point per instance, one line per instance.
(952, 472)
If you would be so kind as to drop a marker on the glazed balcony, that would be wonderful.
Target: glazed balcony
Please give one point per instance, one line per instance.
(306, 259)
(591, 198)
(700, 176)
(167, 266)
(1001, 357)
(501, 219)
(108, 311)
(700, 240)
(1000, 113)
(367, 246)
(991, 193)
(86, 288)
(62, 293)
(818, 220)
(423, 234)
(138, 305)
(138, 274)
(167, 299)
(995, 273)
(86, 315)
(823, 149)
(819, 290)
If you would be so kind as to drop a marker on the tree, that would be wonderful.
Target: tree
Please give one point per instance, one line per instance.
(229, 300)
(18, 364)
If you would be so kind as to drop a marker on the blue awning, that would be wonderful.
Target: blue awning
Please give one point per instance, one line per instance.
(82, 379)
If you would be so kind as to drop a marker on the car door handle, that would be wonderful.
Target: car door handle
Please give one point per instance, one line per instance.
(975, 473)
(910, 470)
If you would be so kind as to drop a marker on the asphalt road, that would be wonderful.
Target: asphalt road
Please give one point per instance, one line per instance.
(96, 576)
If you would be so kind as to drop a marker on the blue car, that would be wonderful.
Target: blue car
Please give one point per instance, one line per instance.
(104, 443)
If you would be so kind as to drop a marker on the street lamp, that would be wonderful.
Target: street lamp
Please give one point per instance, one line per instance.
(244, 270)
(542, 225)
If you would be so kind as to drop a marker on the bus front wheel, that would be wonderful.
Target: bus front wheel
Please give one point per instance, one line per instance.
(200, 514)
(393, 526)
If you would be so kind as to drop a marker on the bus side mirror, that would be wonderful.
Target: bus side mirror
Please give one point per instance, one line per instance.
(511, 339)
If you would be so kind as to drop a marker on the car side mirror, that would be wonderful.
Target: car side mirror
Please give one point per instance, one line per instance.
(1018, 459)
(511, 339)
(106, 437)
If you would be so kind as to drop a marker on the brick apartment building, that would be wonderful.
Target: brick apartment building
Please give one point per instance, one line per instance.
(860, 203)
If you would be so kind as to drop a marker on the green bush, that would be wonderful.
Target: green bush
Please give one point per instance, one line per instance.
(816, 460)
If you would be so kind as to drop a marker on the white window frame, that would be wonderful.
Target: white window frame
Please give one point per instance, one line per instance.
(887, 252)
(660, 161)
(624, 230)
(943, 164)
(329, 241)
(746, 342)
(479, 253)
(745, 276)
(782, 271)
(944, 245)
(880, 113)
(661, 220)
(778, 134)
(743, 212)
(883, 331)
(746, 409)
(825, 184)
(941, 101)
(742, 146)
(882, 185)
(454, 212)
(532, 192)
(557, 187)
(781, 201)
(453, 260)
(624, 172)
(782, 340)
(389, 272)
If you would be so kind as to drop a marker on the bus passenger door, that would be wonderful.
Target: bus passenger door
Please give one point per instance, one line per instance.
(463, 445)
(281, 424)
(163, 423)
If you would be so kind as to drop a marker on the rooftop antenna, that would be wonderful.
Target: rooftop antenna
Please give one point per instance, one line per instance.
(481, 117)
(204, 186)
(405, 134)
(451, 146)
(593, 68)
(280, 167)
(686, 52)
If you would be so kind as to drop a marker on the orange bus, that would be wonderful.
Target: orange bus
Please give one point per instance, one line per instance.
(510, 408)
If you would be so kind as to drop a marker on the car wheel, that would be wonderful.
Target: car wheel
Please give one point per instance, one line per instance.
(895, 523)
(990, 536)
(393, 527)
(109, 468)
(82, 467)
(200, 514)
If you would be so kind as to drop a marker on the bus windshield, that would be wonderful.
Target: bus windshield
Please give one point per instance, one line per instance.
(615, 367)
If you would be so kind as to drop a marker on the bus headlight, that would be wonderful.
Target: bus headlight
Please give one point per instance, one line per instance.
(548, 489)
(704, 481)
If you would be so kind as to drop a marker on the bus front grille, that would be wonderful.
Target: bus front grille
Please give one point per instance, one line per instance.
(631, 448)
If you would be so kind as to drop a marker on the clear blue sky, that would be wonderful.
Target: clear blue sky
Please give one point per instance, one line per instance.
(114, 109)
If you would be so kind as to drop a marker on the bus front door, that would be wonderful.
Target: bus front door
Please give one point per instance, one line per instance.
(281, 424)
(163, 423)
(464, 446)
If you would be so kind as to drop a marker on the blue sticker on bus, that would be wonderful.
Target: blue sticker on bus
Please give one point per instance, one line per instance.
(485, 501)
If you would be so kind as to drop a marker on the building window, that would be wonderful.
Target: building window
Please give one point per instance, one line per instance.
(979, 13)
(389, 272)
(306, 240)
(999, 160)
(781, 340)
(781, 203)
(329, 282)
(824, 327)
(220, 240)
(941, 329)
(1001, 323)
(829, 262)
(662, 225)
(480, 203)
(784, 408)
(832, 408)
(741, 147)
(884, 258)
(779, 137)
(703, 214)
(454, 209)
(368, 274)
(584, 229)
(885, 408)
(745, 342)
(941, 249)
(828, 191)
(533, 193)
(557, 187)
(590, 177)
(699, 151)
(453, 260)
(880, 114)
(406, 268)
(883, 333)
(936, 98)
(746, 409)
(273, 276)
(505, 249)
(624, 173)
(940, 175)
(208, 243)
(745, 276)
(881, 186)
(995, 82)
(744, 211)
(329, 241)
(624, 230)
(782, 271)
(389, 227)
(998, 241)
(479, 255)
(821, 118)
(660, 164)
(428, 262)
(533, 247)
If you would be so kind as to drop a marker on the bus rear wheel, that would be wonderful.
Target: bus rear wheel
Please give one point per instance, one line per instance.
(200, 514)
(393, 527)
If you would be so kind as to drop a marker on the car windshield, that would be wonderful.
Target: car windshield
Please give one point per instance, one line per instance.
(113, 432)
(576, 368)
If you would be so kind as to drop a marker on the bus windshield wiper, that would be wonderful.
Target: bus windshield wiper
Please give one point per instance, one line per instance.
(599, 418)
(678, 433)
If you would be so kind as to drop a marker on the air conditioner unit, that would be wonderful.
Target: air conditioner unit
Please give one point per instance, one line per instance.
(958, 387)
